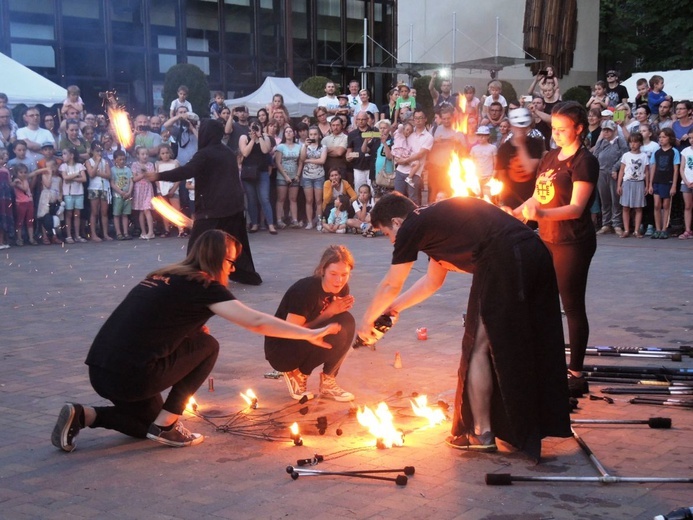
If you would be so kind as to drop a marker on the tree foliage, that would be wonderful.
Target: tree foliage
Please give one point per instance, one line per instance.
(315, 86)
(192, 77)
(636, 35)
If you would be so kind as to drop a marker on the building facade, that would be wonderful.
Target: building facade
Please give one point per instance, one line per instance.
(128, 45)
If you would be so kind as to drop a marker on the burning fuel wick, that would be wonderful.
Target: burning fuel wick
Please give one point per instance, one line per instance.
(296, 435)
(211, 384)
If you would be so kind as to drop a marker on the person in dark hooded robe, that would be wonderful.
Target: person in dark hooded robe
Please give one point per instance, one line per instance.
(511, 379)
(219, 202)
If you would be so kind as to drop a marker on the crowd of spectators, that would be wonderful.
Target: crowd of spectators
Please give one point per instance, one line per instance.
(65, 178)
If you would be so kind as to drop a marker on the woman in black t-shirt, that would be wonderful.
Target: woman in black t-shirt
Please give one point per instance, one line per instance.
(157, 338)
(561, 203)
(315, 301)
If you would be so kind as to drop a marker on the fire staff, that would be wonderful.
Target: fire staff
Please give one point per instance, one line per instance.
(157, 338)
(511, 378)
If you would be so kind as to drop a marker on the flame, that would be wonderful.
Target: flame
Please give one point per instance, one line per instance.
(120, 123)
(249, 397)
(192, 405)
(421, 409)
(175, 217)
(495, 187)
(460, 124)
(464, 180)
(294, 429)
(380, 424)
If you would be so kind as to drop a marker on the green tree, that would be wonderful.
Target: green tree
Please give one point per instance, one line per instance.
(315, 86)
(192, 77)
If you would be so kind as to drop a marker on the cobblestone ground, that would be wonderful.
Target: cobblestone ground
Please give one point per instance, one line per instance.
(55, 299)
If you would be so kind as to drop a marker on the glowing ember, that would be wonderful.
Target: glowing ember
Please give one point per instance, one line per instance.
(191, 406)
(294, 429)
(120, 124)
(295, 435)
(380, 424)
(175, 217)
(421, 409)
(250, 398)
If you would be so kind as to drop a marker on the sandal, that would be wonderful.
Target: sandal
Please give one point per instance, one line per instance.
(69, 240)
(625, 234)
(368, 234)
(120, 237)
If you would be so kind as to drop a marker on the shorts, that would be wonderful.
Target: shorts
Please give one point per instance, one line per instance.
(97, 195)
(121, 206)
(685, 189)
(281, 181)
(316, 184)
(661, 190)
(73, 202)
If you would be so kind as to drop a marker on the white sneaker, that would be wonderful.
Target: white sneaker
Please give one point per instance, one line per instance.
(297, 382)
(309, 225)
(4, 246)
(342, 231)
(329, 389)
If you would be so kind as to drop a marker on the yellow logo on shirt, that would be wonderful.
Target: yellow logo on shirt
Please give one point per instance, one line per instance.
(544, 191)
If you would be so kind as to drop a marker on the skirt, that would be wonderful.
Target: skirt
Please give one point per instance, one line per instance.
(633, 195)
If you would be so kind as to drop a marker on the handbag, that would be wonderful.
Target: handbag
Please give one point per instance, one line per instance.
(249, 172)
(385, 180)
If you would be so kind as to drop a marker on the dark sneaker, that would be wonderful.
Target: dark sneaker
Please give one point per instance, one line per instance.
(297, 382)
(67, 427)
(577, 386)
(178, 436)
(484, 442)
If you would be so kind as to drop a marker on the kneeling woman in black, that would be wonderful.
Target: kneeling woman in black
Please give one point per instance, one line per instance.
(316, 301)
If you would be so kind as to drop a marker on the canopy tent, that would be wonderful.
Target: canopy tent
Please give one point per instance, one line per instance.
(24, 86)
(297, 102)
(677, 83)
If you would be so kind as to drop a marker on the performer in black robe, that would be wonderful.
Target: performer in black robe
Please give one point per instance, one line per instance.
(512, 381)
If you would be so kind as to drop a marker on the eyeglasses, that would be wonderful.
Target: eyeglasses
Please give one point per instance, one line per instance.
(232, 263)
(32, 115)
(611, 75)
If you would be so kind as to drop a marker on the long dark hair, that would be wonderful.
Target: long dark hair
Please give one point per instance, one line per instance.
(205, 261)
(333, 255)
(575, 112)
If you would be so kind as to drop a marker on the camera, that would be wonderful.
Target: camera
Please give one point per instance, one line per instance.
(255, 128)
(543, 73)
(143, 128)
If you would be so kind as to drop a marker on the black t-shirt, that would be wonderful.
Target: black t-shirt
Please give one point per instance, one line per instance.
(307, 298)
(554, 188)
(460, 231)
(664, 166)
(354, 142)
(238, 131)
(152, 321)
(616, 94)
(518, 184)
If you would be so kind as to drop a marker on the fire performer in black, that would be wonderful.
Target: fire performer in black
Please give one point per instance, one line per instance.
(219, 200)
(511, 378)
(157, 338)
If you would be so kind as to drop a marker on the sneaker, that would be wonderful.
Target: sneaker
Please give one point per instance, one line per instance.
(296, 224)
(69, 240)
(309, 225)
(178, 436)
(605, 230)
(4, 246)
(484, 442)
(650, 230)
(297, 382)
(618, 230)
(664, 235)
(81, 240)
(67, 427)
(19, 242)
(577, 386)
(329, 389)
(341, 231)
(281, 224)
(655, 235)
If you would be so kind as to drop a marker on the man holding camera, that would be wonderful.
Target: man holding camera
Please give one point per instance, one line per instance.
(183, 128)
(145, 137)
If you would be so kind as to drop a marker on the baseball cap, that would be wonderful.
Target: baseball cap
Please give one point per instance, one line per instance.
(483, 130)
(607, 113)
(47, 145)
(342, 96)
(608, 125)
(612, 73)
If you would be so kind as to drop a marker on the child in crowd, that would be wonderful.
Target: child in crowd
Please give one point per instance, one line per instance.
(143, 192)
(73, 101)
(599, 98)
(401, 149)
(181, 101)
(49, 199)
(98, 191)
(337, 221)
(190, 186)
(361, 221)
(483, 153)
(687, 187)
(405, 105)
(168, 190)
(23, 205)
(276, 105)
(649, 147)
(6, 214)
(631, 183)
(664, 173)
(643, 90)
(494, 90)
(656, 94)
(121, 184)
(217, 105)
(74, 176)
(20, 149)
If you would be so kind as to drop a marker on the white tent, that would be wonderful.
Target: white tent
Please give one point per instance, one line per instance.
(24, 86)
(297, 102)
(677, 83)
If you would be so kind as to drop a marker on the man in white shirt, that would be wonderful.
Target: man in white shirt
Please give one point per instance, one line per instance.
(33, 134)
(329, 100)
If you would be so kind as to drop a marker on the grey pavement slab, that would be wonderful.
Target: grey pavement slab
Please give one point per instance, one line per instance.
(54, 299)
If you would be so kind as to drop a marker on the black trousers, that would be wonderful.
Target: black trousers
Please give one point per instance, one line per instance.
(286, 355)
(235, 226)
(572, 263)
(137, 395)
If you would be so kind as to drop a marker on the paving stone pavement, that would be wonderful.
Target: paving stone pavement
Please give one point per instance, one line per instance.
(54, 299)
